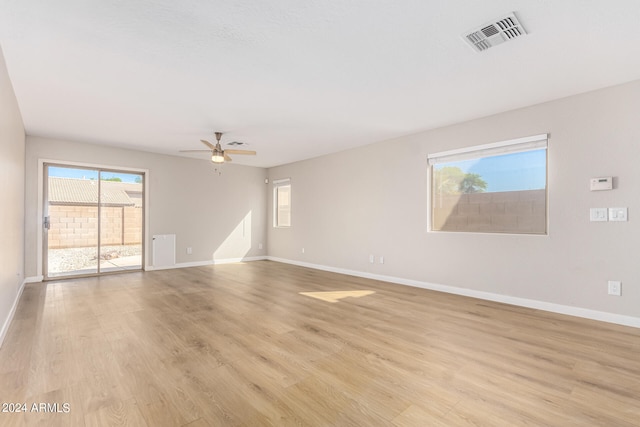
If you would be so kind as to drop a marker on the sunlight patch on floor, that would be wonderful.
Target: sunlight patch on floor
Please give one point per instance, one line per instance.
(335, 296)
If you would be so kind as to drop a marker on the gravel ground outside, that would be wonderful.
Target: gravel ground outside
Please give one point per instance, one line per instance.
(71, 259)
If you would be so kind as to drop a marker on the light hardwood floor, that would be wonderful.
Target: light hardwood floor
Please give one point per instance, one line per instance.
(239, 344)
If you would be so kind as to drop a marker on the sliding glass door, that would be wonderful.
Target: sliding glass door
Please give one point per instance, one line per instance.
(93, 221)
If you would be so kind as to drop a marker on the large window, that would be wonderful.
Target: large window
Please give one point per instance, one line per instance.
(282, 203)
(492, 188)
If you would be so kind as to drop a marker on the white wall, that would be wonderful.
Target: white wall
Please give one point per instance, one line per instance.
(219, 216)
(373, 200)
(12, 141)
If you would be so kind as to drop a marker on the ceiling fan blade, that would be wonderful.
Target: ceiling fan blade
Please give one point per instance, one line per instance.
(208, 144)
(227, 158)
(250, 152)
(195, 151)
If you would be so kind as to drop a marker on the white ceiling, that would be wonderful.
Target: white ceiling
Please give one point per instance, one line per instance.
(296, 79)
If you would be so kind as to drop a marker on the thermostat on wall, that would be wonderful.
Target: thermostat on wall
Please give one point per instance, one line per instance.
(602, 183)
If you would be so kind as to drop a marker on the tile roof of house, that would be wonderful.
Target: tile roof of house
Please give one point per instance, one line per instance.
(72, 191)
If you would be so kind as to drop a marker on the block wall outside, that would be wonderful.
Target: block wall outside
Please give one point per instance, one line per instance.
(502, 212)
(76, 226)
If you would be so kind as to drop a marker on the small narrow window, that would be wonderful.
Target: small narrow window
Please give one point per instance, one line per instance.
(282, 203)
(492, 188)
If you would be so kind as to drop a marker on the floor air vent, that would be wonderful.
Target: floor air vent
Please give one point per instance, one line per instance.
(494, 33)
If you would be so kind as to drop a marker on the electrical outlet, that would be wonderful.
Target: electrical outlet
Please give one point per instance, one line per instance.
(381, 259)
(302, 250)
(615, 287)
(189, 251)
(372, 259)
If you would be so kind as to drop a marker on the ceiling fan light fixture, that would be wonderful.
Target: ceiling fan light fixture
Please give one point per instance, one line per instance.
(217, 157)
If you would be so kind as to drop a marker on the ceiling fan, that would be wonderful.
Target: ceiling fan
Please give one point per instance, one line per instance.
(218, 155)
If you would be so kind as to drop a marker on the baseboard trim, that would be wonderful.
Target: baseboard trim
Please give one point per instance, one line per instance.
(234, 260)
(34, 279)
(205, 263)
(522, 302)
(12, 312)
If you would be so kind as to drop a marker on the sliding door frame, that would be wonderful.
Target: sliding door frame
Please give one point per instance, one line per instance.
(42, 209)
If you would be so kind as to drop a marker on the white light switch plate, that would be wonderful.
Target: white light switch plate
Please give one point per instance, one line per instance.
(598, 214)
(614, 288)
(617, 214)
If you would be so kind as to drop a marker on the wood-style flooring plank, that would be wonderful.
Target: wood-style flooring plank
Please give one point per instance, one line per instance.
(254, 344)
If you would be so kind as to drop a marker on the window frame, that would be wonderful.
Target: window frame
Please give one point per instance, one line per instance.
(277, 184)
(517, 145)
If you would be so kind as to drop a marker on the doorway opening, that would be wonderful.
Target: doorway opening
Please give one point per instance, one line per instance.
(93, 221)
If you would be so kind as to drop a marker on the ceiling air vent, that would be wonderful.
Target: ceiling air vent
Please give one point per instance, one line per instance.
(494, 33)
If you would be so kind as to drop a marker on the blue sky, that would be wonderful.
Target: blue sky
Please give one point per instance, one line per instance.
(508, 172)
(88, 174)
